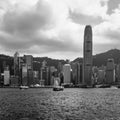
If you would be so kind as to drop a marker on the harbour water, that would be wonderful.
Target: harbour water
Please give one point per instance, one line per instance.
(70, 104)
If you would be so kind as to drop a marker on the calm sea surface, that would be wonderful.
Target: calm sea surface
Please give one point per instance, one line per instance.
(70, 104)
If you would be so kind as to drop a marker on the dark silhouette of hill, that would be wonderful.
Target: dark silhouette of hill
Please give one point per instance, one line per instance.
(49, 62)
(98, 60)
(6, 60)
(101, 59)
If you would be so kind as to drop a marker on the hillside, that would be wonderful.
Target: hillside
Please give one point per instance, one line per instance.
(101, 59)
(8, 60)
(98, 60)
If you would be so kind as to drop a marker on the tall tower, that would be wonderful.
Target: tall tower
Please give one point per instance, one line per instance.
(87, 56)
(16, 64)
(110, 71)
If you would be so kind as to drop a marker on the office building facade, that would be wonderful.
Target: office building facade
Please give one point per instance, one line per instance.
(87, 56)
(67, 73)
(110, 71)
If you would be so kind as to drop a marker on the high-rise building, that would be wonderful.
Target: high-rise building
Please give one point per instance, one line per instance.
(76, 73)
(6, 76)
(44, 74)
(29, 61)
(16, 64)
(118, 73)
(67, 73)
(95, 74)
(87, 56)
(52, 70)
(101, 77)
(14, 81)
(80, 72)
(24, 75)
(74, 78)
(110, 71)
(30, 77)
(36, 79)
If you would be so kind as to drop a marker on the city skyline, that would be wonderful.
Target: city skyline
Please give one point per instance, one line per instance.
(56, 28)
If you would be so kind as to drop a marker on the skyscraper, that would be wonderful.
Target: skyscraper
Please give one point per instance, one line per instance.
(87, 56)
(110, 71)
(16, 64)
(29, 61)
(6, 76)
(67, 73)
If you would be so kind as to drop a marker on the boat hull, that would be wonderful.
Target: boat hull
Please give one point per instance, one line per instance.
(58, 88)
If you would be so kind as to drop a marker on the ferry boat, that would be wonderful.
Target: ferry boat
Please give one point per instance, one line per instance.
(24, 87)
(56, 86)
(114, 87)
(103, 86)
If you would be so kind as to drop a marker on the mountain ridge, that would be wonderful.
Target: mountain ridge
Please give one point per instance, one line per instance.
(98, 60)
(101, 58)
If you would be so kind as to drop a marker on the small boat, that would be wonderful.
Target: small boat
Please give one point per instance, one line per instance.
(24, 87)
(58, 88)
(114, 87)
(103, 86)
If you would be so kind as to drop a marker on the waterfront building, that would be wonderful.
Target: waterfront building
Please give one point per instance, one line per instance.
(101, 77)
(67, 73)
(16, 64)
(14, 81)
(80, 73)
(2, 79)
(74, 78)
(30, 77)
(110, 71)
(118, 73)
(21, 63)
(36, 79)
(29, 61)
(6, 76)
(76, 73)
(44, 74)
(87, 56)
(95, 74)
(24, 74)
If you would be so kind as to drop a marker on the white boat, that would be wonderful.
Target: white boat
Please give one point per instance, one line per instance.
(24, 87)
(114, 87)
(56, 86)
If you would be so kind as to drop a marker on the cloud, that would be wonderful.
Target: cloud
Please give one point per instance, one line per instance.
(112, 5)
(56, 27)
(113, 34)
(27, 22)
(31, 28)
(88, 7)
(85, 19)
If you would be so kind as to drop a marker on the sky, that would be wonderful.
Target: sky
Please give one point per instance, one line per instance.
(55, 28)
